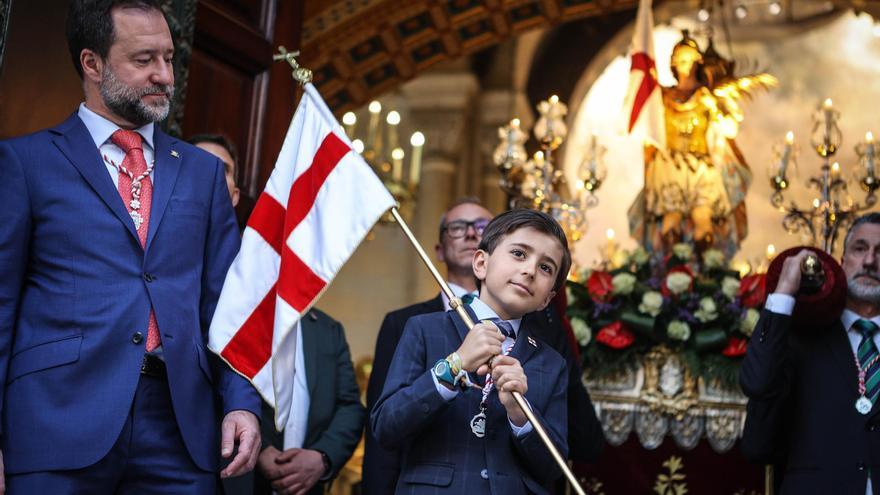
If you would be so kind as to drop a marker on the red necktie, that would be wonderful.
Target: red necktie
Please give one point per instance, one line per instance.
(132, 144)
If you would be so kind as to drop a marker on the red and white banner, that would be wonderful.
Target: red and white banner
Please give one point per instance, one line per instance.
(320, 202)
(644, 101)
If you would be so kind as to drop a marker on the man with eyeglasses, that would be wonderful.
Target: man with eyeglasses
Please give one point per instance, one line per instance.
(461, 229)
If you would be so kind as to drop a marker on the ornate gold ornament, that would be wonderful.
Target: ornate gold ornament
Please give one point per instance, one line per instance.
(670, 387)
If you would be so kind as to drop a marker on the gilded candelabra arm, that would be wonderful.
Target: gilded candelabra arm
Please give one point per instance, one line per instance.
(797, 220)
(300, 73)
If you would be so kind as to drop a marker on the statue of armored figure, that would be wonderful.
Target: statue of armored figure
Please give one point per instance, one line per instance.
(695, 185)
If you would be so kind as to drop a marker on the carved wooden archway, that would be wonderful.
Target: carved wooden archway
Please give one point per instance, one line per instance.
(361, 49)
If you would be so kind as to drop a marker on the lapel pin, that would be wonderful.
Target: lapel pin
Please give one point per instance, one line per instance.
(175, 154)
(532, 341)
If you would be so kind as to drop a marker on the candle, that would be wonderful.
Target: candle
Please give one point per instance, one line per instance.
(393, 119)
(417, 140)
(828, 112)
(786, 153)
(373, 129)
(349, 120)
(771, 251)
(835, 171)
(869, 153)
(397, 164)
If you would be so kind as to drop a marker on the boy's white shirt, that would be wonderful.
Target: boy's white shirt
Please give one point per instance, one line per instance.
(484, 312)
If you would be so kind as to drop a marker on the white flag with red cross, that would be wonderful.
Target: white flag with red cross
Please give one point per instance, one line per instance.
(320, 202)
(643, 103)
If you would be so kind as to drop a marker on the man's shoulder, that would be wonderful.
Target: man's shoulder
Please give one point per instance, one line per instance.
(430, 306)
(317, 317)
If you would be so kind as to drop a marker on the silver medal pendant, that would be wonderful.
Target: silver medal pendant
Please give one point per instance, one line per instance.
(863, 405)
(137, 219)
(478, 425)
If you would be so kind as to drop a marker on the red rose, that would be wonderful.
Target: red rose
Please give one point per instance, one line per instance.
(599, 285)
(735, 347)
(676, 269)
(616, 336)
(753, 290)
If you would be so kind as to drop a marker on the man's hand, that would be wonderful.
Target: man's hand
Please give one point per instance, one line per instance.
(297, 471)
(267, 465)
(790, 276)
(239, 427)
(509, 377)
(480, 344)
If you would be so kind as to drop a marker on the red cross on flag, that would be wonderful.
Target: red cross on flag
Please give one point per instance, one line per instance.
(644, 102)
(320, 202)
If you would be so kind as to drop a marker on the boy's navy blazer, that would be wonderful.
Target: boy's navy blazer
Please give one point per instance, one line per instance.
(440, 453)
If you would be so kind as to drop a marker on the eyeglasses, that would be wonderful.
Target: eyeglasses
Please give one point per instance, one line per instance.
(459, 228)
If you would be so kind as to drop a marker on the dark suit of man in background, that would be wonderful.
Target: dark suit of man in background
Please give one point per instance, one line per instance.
(803, 384)
(115, 240)
(467, 219)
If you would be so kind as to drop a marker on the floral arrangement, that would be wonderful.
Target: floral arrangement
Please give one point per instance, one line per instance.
(699, 308)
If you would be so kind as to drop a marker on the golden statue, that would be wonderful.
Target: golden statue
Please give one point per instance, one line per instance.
(695, 187)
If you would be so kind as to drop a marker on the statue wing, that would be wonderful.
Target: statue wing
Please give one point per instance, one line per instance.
(731, 91)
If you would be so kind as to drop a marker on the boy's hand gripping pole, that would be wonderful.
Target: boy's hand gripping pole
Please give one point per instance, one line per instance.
(456, 304)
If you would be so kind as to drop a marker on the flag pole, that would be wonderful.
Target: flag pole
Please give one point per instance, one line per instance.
(456, 304)
(304, 76)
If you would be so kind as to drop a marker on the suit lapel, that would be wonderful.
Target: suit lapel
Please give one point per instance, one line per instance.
(164, 177)
(843, 358)
(77, 145)
(310, 352)
(525, 345)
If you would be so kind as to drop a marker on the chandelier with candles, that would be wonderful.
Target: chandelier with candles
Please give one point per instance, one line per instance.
(539, 182)
(379, 144)
(832, 208)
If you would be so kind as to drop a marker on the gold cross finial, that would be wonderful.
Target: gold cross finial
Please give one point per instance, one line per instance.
(300, 73)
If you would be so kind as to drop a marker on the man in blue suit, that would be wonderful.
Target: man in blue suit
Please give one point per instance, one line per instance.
(458, 439)
(114, 244)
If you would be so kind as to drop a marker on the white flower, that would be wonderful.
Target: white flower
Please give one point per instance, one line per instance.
(713, 258)
(582, 331)
(639, 256)
(651, 303)
(708, 311)
(749, 320)
(623, 284)
(729, 287)
(678, 282)
(678, 330)
(683, 251)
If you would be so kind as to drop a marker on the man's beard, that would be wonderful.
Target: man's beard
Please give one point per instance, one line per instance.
(862, 291)
(126, 101)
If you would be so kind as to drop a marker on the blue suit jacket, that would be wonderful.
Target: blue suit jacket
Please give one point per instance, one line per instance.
(76, 285)
(440, 453)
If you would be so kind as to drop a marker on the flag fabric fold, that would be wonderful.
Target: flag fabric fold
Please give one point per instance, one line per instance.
(643, 103)
(319, 203)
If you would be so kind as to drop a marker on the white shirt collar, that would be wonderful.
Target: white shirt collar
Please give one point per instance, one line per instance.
(101, 129)
(484, 312)
(849, 317)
